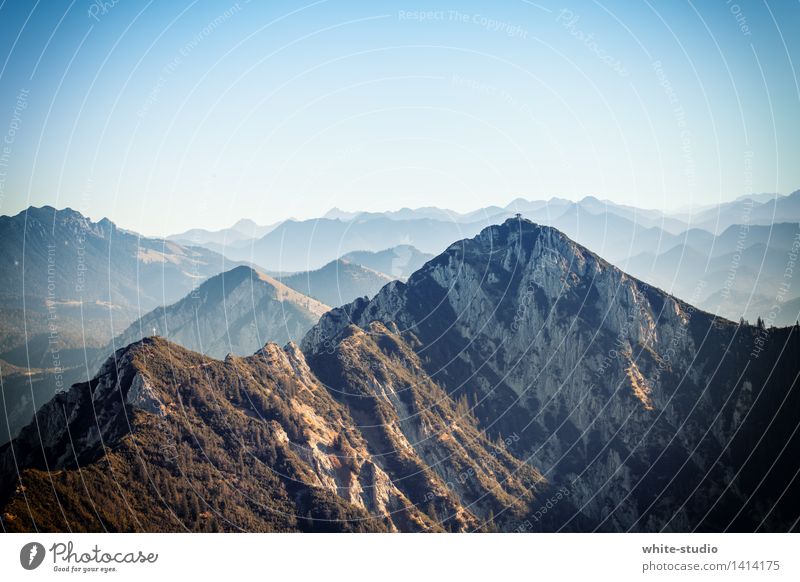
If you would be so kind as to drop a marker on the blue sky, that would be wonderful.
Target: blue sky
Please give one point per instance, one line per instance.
(179, 114)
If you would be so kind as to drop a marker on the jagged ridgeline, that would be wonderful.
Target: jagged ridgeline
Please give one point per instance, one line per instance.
(516, 382)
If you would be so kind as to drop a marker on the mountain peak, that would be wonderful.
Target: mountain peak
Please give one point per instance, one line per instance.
(545, 337)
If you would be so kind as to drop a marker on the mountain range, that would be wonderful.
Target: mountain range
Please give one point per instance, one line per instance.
(310, 244)
(69, 286)
(515, 382)
(739, 273)
(397, 262)
(338, 282)
(629, 237)
(75, 290)
(234, 312)
(242, 230)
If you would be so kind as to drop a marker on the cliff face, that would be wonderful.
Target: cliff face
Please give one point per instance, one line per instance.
(167, 440)
(427, 440)
(645, 410)
(164, 439)
(516, 382)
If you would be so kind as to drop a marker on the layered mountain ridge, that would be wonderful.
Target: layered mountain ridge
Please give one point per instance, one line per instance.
(164, 439)
(69, 286)
(337, 283)
(233, 312)
(516, 382)
(631, 399)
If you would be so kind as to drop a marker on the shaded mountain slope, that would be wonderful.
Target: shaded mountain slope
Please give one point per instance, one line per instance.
(167, 440)
(164, 439)
(645, 409)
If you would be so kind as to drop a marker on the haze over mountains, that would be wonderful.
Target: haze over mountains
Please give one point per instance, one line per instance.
(740, 272)
(72, 285)
(243, 230)
(232, 313)
(398, 262)
(515, 371)
(69, 285)
(338, 282)
(766, 226)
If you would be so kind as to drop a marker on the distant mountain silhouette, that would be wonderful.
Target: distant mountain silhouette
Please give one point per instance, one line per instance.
(739, 273)
(338, 282)
(234, 312)
(69, 285)
(243, 230)
(398, 262)
(310, 244)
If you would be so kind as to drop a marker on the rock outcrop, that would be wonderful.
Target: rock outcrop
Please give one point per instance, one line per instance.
(516, 382)
(650, 413)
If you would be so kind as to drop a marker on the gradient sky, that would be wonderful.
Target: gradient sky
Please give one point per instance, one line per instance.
(168, 116)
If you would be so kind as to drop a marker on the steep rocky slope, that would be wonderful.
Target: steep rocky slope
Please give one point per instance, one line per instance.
(650, 414)
(164, 439)
(516, 382)
(167, 440)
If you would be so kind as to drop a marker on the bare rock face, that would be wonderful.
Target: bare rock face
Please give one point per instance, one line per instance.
(636, 403)
(142, 395)
(426, 440)
(516, 382)
(164, 439)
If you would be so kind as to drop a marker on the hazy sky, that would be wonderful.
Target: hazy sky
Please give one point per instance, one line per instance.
(163, 116)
